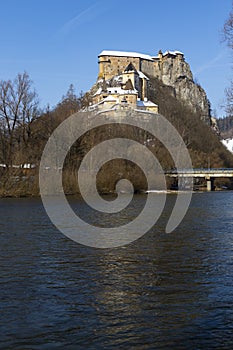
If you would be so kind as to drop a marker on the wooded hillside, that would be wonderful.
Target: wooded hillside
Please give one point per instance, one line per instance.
(204, 145)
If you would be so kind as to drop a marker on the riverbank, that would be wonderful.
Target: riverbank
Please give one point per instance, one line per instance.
(32, 191)
(22, 184)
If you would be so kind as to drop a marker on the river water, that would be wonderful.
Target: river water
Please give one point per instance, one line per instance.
(164, 291)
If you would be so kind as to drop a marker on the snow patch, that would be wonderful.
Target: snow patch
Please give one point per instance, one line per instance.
(228, 143)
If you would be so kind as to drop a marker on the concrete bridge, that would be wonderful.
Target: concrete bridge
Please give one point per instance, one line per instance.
(208, 174)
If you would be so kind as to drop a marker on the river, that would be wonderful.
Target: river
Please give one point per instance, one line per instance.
(164, 291)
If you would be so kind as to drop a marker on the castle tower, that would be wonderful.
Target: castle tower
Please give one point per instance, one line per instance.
(131, 73)
(160, 55)
(101, 68)
(103, 61)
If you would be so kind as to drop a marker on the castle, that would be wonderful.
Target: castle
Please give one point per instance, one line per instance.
(129, 87)
(124, 78)
(126, 74)
(113, 63)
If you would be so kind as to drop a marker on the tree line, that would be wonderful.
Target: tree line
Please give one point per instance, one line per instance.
(24, 126)
(225, 126)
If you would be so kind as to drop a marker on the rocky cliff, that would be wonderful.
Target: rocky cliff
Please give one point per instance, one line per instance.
(174, 71)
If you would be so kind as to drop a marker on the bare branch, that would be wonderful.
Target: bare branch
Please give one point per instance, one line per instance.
(228, 30)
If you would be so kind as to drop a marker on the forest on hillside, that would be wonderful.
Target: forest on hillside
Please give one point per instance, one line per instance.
(225, 126)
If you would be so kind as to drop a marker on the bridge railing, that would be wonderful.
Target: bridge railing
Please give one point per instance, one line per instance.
(199, 170)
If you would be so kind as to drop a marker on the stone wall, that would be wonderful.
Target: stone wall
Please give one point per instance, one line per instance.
(110, 66)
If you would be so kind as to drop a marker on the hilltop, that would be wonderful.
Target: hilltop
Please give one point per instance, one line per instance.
(160, 84)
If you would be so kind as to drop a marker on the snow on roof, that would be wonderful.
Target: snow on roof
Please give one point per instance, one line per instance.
(119, 90)
(137, 54)
(109, 98)
(174, 53)
(98, 92)
(142, 75)
(106, 99)
(125, 54)
(146, 104)
(116, 90)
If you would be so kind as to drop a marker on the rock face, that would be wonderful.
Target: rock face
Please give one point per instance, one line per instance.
(174, 71)
(170, 67)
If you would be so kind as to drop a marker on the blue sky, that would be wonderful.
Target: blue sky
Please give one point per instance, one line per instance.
(57, 41)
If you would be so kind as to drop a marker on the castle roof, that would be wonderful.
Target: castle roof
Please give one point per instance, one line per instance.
(130, 68)
(137, 54)
(125, 54)
(141, 103)
(173, 53)
(142, 75)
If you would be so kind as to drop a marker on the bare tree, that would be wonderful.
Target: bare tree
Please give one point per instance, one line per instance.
(229, 97)
(85, 99)
(228, 30)
(228, 38)
(69, 103)
(18, 109)
(3, 142)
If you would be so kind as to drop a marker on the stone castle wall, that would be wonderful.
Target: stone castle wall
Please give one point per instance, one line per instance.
(110, 66)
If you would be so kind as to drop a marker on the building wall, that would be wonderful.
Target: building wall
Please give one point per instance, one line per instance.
(130, 98)
(110, 66)
(148, 67)
(153, 109)
(131, 76)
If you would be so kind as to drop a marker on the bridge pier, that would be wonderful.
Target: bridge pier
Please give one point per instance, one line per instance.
(210, 184)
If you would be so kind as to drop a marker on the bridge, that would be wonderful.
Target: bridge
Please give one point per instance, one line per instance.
(208, 174)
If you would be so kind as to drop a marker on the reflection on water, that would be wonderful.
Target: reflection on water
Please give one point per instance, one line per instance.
(164, 291)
